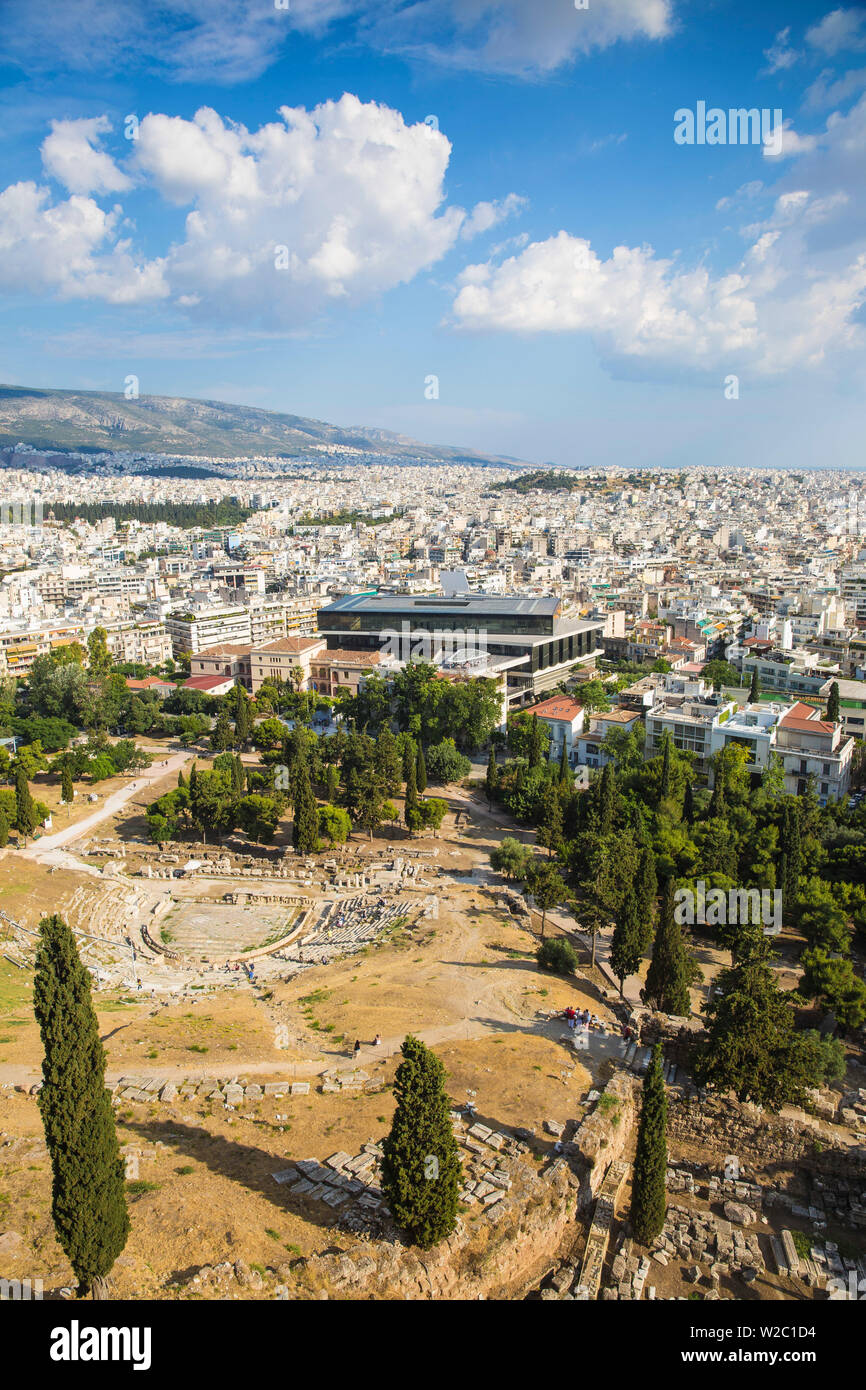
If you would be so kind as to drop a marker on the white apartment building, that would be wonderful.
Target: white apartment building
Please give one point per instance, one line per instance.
(811, 746)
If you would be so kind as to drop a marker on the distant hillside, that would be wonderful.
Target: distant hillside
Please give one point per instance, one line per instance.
(106, 420)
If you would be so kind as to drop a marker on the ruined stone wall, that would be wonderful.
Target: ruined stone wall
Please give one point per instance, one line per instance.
(724, 1125)
(499, 1258)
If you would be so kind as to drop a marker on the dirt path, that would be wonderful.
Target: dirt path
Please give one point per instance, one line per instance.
(112, 804)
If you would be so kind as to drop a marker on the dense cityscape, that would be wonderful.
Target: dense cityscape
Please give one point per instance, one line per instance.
(432, 849)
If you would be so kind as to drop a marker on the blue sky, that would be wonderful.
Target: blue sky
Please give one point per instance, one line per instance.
(488, 191)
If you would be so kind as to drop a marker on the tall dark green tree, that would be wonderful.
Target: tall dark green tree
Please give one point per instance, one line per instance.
(305, 822)
(625, 946)
(665, 784)
(550, 833)
(410, 807)
(546, 886)
(420, 772)
(718, 806)
(88, 1204)
(755, 688)
(491, 780)
(648, 1203)
(67, 786)
(606, 799)
(332, 783)
(4, 829)
(671, 969)
(790, 854)
(689, 805)
(565, 778)
(646, 894)
(243, 718)
(538, 741)
(222, 736)
(833, 703)
(25, 808)
(420, 1163)
(386, 760)
(751, 1046)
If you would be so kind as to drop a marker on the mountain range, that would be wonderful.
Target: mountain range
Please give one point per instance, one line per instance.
(97, 421)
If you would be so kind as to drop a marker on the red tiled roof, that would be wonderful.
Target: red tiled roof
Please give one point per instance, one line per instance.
(207, 683)
(558, 707)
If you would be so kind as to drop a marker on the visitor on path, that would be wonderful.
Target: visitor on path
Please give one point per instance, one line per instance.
(377, 1041)
(357, 1048)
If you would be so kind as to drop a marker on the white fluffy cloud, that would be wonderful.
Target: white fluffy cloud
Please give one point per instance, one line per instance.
(341, 203)
(71, 249)
(795, 298)
(70, 154)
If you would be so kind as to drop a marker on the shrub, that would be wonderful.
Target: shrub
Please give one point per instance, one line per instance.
(558, 955)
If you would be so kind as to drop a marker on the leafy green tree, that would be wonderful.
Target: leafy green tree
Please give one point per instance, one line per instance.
(67, 787)
(510, 857)
(754, 688)
(88, 1204)
(821, 914)
(411, 812)
(222, 736)
(557, 954)
(258, 817)
(334, 824)
(751, 1047)
(831, 980)
(243, 718)
(421, 1170)
(648, 1202)
(332, 782)
(671, 969)
(546, 886)
(790, 848)
(606, 799)
(718, 673)
(433, 811)
(386, 761)
(833, 704)
(4, 828)
(445, 763)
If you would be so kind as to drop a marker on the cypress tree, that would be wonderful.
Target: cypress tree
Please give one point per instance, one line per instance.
(305, 825)
(492, 778)
(754, 688)
(88, 1205)
(536, 742)
(625, 946)
(671, 969)
(67, 788)
(420, 772)
(790, 854)
(665, 787)
(718, 806)
(648, 1203)
(646, 893)
(408, 757)
(4, 829)
(550, 829)
(421, 1170)
(243, 719)
(564, 769)
(606, 799)
(25, 810)
(411, 802)
(833, 704)
(181, 780)
(238, 775)
(193, 781)
(689, 805)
